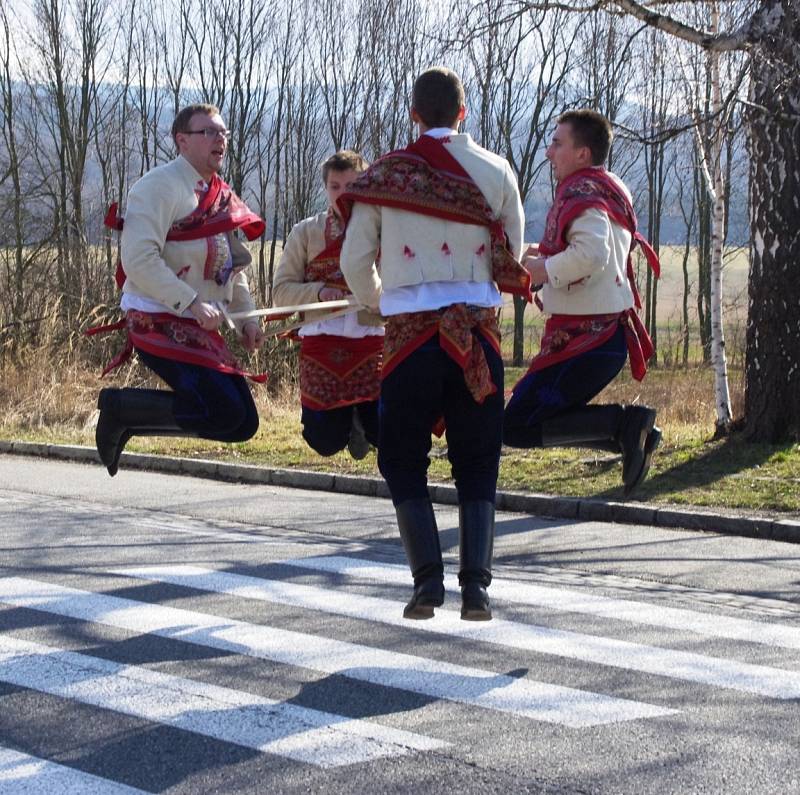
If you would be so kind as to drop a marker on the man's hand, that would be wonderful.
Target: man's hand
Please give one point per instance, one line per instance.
(207, 316)
(252, 336)
(535, 266)
(330, 294)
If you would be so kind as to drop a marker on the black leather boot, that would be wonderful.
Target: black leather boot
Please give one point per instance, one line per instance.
(629, 430)
(420, 535)
(475, 547)
(132, 412)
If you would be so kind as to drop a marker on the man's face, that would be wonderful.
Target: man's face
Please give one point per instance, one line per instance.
(564, 156)
(204, 153)
(338, 182)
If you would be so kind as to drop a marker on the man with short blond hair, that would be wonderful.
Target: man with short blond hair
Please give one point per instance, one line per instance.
(181, 269)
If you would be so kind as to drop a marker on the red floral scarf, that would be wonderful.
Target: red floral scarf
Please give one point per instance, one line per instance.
(219, 210)
(337, 371)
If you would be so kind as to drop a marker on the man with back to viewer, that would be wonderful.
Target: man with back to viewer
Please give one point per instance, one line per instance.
(447, 218)
(589, 292)
(180, 263)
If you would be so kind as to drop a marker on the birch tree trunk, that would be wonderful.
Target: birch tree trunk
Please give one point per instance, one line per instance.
(719, 361)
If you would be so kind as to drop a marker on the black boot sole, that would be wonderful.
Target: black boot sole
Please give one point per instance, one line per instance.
(418, 612)
(476, 614)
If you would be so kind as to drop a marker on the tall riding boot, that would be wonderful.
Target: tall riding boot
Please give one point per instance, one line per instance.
(417, 524)
(476, 544)
(629, 430)
(132, 412)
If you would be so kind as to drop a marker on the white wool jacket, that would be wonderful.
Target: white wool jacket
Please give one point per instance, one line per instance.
(172, 272)
(590, 276)
(418, 249)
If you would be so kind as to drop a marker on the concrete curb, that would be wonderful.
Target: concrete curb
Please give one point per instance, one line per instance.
(594, 510)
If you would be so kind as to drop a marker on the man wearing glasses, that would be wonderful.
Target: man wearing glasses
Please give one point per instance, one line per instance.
(182, 269)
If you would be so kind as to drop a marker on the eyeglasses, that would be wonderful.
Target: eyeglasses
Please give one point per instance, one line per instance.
(210, 132)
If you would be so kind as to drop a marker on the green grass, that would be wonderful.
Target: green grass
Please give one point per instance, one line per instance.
(688, 469)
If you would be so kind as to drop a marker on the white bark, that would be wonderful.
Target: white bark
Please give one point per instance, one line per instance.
(719, 359)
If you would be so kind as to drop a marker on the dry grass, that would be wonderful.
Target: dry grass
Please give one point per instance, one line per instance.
(690, 467)
(49, 389)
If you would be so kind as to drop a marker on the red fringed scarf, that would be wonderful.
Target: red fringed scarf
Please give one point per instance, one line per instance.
(566, 336)
(180, 339)
(337, 371)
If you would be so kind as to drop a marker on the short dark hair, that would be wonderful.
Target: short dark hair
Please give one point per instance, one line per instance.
(343, 160)
(592, 129)
(438, 96)
(184, 118)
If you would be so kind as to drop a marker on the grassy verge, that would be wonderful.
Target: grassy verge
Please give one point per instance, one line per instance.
(689, 467)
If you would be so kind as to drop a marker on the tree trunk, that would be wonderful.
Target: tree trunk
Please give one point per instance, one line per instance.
(772, 366)
(719, 359)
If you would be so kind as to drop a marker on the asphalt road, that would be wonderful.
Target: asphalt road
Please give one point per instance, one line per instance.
(161, 633)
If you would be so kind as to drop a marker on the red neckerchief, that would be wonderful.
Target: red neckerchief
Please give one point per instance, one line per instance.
(594, 188)
(425, 178)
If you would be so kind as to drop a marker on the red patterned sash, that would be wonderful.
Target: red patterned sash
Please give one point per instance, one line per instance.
(454, 324)
(339, 371)
(177, 338)
(566, 336)
(425, 178)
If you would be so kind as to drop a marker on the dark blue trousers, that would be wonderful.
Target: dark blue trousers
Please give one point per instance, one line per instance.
(327, 432)
(567, 385)
(208, 403)
(425, 386)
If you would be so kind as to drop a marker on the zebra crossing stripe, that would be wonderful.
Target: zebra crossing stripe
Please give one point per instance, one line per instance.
(299, 733)
(434, 678)
(572, 601)
(715, 671)
(22, 773)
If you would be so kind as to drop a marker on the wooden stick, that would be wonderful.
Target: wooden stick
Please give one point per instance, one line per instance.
(330, 316)
(343, 303)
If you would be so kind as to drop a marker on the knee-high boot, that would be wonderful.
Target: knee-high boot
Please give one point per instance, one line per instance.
(417, 524)
(132, 412)
(630, 430)
(476, 544)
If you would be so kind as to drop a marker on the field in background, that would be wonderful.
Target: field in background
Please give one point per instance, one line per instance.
(668, 308)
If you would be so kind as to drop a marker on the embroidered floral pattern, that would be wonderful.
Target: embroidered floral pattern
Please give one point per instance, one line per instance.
(218, 264)
(339, 371)
(407, 180)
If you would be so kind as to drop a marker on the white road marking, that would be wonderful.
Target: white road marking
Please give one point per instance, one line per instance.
(570, 600)
(758, 679)
(304, 735)
(437, 679)
(22, 773)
